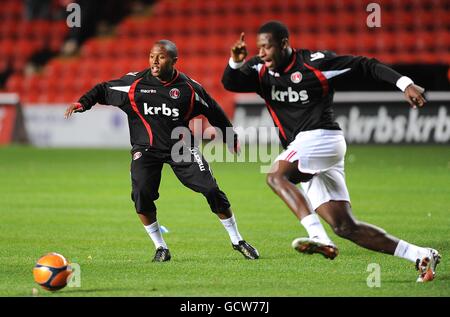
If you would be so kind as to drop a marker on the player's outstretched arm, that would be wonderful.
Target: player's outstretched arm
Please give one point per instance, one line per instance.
(102, 93)
(414, 95)
(375, 69)
(98, 94)
(74, 107)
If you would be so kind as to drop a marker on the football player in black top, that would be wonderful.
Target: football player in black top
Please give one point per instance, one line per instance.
(157, 101)
(297, 86)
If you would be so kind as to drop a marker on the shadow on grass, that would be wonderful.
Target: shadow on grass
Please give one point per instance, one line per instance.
(438, 278)
(107, 291)
(81, 291)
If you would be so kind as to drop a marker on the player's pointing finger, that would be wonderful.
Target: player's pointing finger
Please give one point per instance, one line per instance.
(242, 37)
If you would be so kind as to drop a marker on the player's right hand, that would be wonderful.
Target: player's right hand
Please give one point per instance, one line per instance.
(239, 50)
(75, 107)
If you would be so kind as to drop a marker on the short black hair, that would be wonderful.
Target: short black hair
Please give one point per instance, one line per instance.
(170, 47)
(278, 30)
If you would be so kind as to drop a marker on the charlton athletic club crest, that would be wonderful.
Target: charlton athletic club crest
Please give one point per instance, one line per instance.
(296, 77)
(136, 155)
(174, 93)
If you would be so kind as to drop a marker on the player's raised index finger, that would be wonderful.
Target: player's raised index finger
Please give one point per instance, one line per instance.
(242, 38)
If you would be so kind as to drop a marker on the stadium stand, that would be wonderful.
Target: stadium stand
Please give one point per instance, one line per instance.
(413, 31)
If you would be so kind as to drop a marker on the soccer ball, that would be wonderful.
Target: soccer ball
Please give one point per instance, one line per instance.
(52, 271)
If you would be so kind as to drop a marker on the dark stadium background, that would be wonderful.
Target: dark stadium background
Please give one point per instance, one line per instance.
(46, 62)
(65, 190)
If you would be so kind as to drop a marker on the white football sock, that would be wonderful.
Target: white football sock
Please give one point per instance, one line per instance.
(314, 227)
(231, 227)
(410, 251)
(155, 234)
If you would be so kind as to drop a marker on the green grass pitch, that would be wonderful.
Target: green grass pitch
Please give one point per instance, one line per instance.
(77, 202)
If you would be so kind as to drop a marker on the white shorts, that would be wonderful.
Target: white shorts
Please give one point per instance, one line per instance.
(320, 152)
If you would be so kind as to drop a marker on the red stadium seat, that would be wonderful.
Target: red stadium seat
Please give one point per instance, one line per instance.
(442, 17)
(412, 31)
(347, 44)
(58, 29)
(406, 41)
(31, 96)
(125, 65)
(385, 42)
(386, 58)
(404, 58)
(329, 22)
(14, 82)
(442, 40)
(24, 48)
(351, 21)
(348, 5)
(307, 22)
(19, 63)
(51, 81)
(24, 29)
(424, 41)
(444, 57)
(427, 58)
(125, 47)
(425, 19)
(40, 29)
(327, 42)
(87, 67)
(91, 48)
(7, 29)
(8, 47)
(367, 42)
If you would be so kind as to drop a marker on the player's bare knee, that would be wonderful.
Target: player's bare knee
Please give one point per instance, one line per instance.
(345, 230)
(273, 180)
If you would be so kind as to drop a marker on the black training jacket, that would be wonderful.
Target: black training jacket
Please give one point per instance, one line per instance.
(155, 108)
(299, 97)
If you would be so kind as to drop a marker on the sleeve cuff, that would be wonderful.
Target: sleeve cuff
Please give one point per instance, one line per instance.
(81, 106)
(235, 65)
(404, 82)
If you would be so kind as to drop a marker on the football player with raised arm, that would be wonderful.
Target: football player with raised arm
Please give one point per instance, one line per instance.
(297, 86)
(157, 101)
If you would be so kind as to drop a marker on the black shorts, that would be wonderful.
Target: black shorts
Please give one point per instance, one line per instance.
(194, 173)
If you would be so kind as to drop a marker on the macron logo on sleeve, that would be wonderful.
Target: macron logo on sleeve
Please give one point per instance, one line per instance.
(317, 55)
(333, 73)
(121, 88)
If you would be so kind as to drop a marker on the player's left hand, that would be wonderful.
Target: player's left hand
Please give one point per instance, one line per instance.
(414, 95)
(74, 107)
